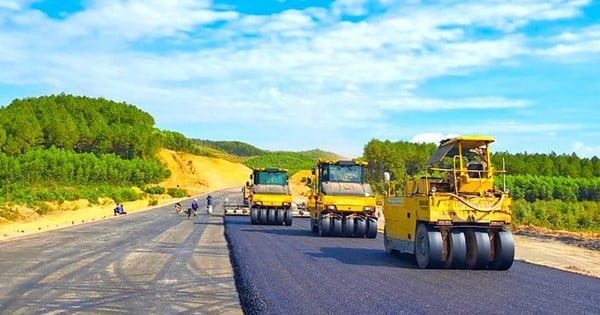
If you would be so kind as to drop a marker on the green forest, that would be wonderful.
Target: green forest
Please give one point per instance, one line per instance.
(551, 190)
(64, 147)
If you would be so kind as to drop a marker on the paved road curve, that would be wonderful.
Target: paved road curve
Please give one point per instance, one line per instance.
(288, 270)
(153, 262)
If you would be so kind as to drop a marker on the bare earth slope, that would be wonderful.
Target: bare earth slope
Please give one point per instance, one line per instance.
(200, 175)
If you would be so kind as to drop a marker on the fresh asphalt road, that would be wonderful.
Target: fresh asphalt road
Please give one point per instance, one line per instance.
(290, 270)
(156, 262)
(152, 262)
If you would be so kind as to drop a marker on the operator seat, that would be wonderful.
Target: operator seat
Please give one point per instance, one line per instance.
(474, 169)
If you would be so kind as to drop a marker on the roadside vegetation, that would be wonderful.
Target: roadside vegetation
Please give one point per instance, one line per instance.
(62, 148)
(550, 190)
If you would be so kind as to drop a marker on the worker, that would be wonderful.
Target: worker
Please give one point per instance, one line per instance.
(119, 210)
(195, 206)
(474, 167)
(209, 204)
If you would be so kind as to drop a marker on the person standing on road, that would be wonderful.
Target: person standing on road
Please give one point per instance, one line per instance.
(209, 204)
(195, 206)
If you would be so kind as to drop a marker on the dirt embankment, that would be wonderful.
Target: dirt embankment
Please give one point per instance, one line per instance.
(196, 174)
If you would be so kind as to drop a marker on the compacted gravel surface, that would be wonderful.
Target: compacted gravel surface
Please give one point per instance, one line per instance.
(153, 262)
(290, 270)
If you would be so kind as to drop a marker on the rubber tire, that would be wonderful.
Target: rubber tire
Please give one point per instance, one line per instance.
(337, 228)
(428, 247)
(313, 225)
(457, 250)
(348, 228)
(262, 218)
(387, 244)
(279, 217)
(271, 216)
(254, 216)
(288, 217)
(504, 247)
(478, 249)
(361, 228)
(325, 226)
(371, 228)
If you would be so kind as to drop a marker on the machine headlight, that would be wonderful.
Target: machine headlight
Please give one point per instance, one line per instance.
(257, 203)
(330, 207)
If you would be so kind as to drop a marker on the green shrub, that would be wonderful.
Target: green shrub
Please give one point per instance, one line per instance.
(41, 208)
(124, 194)
(9, 214)
(156, 190)
(177, 192)
(580, 216)
(152, 202)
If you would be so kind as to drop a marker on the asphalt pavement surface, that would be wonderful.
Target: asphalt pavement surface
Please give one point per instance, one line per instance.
(152, 262)
(290, 270)
(157, 262)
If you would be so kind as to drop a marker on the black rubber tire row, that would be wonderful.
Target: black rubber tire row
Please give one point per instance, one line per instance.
(468, 248)
(271, 216)
(349, 226)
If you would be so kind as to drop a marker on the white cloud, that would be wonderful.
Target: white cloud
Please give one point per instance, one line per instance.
(583, 150)
(350, 7)
(15, 5)
(431, 137)
(295, 64)
(569, 45)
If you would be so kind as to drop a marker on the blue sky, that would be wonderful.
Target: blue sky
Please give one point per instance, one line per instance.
(304, 74)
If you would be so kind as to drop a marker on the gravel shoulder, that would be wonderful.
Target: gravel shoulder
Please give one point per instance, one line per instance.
(549, 251)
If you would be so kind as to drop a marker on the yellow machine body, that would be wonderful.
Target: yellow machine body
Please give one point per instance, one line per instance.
(451, 214)
(341, 203)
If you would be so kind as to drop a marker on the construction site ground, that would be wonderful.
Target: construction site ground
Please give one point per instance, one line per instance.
(573, 252)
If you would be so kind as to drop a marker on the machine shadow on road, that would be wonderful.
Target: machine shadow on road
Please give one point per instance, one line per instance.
(236, 222)
(284, 231)
(208, 223)
(366, 256)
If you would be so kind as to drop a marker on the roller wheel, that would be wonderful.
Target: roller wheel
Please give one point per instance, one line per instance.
(313, 225)
(271, 216)
(457, 250)
(254, 216)
(361, 227)
(371, 228)
(288, 217)
(387, 244)
(348, 227)
(337, 226)
(478, 249)
(325, 226)
(262, 218)
(279, 218)
(504, 251)
(428, 247)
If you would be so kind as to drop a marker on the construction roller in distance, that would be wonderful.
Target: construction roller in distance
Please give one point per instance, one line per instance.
(341, 203)
(267, 198)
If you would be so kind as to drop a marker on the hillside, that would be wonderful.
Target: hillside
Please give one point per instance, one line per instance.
(200, 174)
